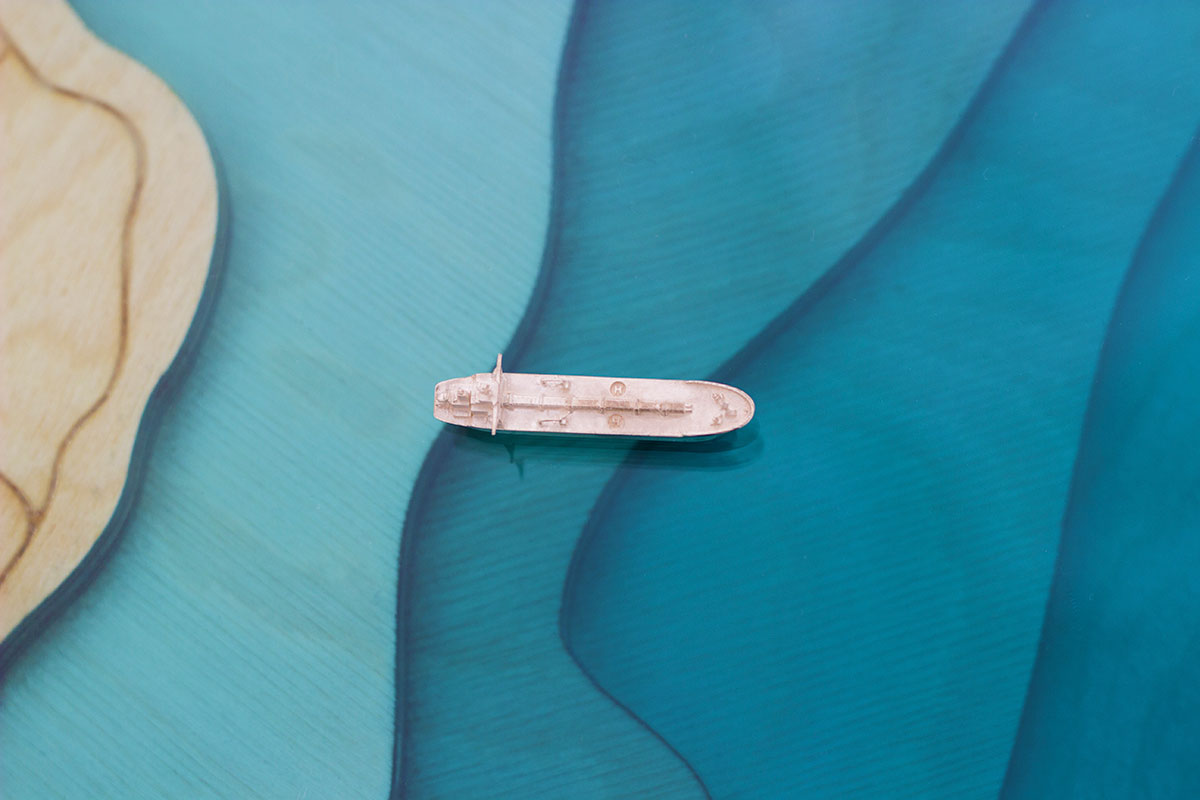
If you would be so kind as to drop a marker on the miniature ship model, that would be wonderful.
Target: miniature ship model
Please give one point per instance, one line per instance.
(585, 404)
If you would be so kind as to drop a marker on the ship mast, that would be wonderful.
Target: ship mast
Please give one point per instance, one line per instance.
(498, 374)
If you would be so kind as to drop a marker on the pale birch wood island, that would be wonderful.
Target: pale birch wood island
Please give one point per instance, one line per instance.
(108, 217)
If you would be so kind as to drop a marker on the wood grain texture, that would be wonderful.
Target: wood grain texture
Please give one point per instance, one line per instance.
(108, 214)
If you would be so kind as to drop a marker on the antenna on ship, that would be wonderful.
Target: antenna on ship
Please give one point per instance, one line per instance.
(498, 374)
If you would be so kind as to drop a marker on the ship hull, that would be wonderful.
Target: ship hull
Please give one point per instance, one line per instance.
(592, 405)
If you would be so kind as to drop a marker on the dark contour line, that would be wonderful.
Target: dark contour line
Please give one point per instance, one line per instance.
(440, 449)
(772, 330)
(790, 315)
(1099, 377)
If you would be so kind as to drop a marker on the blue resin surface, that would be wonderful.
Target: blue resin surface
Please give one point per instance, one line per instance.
(950, 249)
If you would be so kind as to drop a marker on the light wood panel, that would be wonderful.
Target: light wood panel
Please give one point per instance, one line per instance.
(108, 212)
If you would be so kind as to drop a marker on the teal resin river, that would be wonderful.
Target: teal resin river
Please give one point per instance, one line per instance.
(949, 249)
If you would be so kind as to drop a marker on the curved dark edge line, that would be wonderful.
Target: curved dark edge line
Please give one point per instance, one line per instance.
(590, 526)
(891, 218)
(419, 499)
(439, 450)
(523, 335)
(797, 309)
(34, 514)
(161, 397)
(1100, 377)
(442, 445)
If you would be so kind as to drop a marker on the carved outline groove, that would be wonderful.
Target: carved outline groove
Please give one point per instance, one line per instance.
(35, 514)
